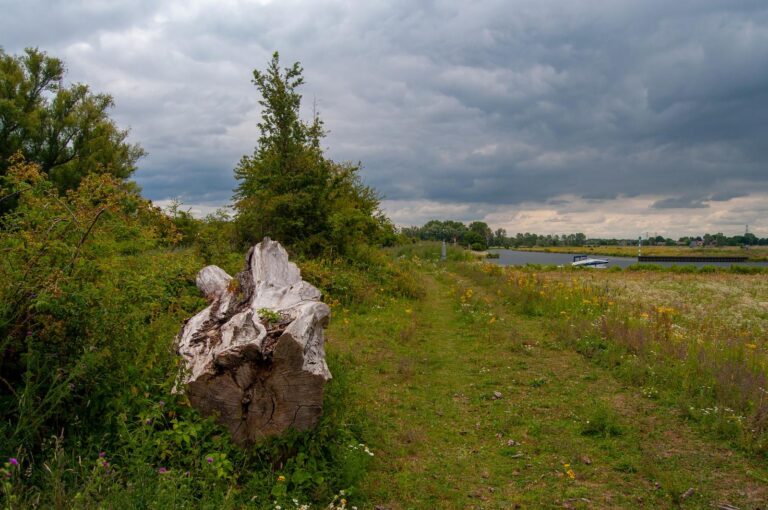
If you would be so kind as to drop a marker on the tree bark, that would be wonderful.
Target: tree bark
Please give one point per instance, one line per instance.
(255, 357)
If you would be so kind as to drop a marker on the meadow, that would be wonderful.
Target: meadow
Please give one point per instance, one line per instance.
(506, 388)
(457, 384)
(696, 340)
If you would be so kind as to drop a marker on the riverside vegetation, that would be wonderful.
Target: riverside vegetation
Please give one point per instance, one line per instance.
(545, 387)
(753, 253)
(457, 384)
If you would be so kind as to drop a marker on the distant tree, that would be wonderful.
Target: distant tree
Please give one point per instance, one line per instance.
(186, 224)
(483, 230)
(500, 237)
(65, 130)
(289, 190)
(475, 240)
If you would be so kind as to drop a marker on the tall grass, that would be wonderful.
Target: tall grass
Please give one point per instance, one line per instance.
(714, 366)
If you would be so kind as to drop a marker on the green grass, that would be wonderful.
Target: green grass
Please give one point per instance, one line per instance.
(431, 372)
(473, 386)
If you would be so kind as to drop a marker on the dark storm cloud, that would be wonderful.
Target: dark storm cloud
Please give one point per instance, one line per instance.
(493, 102)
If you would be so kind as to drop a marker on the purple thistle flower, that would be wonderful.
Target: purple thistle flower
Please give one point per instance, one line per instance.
(102, 455)
(13, 461)
(209, 460)
(161, 403)
(162, 470)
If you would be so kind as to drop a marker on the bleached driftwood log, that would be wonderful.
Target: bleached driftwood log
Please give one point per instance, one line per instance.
(255, 356)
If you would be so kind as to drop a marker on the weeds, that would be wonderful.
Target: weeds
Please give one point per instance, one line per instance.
(678, 347)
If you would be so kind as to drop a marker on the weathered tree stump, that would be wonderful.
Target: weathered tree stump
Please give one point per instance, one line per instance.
(255, 356)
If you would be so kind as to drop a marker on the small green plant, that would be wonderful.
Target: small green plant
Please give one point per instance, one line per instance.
(602, 422)
(270, 316)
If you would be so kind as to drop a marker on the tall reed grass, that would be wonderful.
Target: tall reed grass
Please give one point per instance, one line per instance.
(696, 341)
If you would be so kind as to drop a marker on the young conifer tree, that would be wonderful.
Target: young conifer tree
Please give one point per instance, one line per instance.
(288, 190)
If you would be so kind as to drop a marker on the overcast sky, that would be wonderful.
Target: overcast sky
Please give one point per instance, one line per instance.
(610, 117)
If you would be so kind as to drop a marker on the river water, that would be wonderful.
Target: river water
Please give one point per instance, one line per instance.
(521, 258)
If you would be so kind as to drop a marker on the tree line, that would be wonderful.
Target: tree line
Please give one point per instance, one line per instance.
(479, 236)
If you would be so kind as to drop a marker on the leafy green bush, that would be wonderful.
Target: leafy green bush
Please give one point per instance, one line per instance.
(367, 279)
(430, 250)
(747, 269)
(685, 268)
(81, 283)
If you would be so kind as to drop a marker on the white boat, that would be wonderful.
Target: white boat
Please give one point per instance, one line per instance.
(586, 261)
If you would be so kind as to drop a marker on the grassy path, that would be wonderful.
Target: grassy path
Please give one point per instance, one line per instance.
(471, 414)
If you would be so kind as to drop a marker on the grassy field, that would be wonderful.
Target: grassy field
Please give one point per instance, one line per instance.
(756, 253)
(456, 385)
(511, 389)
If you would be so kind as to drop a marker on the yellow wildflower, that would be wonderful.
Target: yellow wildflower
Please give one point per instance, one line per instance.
(281, 478)
(750, 346)
(408, 311)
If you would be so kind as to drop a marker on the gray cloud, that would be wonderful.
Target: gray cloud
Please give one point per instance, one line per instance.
(679, 203)
(495, 102)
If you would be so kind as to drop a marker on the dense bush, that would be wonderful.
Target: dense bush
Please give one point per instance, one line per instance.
(430, 251)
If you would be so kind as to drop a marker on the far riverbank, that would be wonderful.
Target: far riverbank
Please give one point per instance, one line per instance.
(523, 257)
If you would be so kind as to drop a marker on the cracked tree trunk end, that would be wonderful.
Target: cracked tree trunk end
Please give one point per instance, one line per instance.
(255, 357)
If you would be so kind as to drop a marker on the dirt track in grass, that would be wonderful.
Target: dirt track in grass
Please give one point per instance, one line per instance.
(469, 412)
